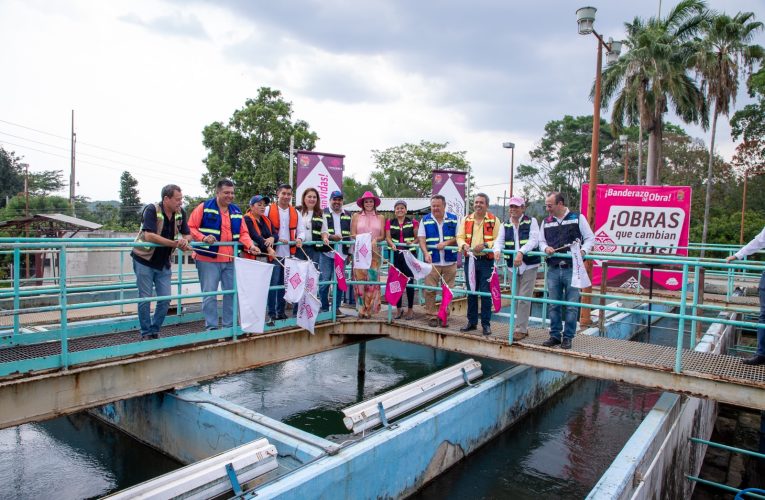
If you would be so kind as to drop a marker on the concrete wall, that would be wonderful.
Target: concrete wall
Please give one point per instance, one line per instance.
(654, 462)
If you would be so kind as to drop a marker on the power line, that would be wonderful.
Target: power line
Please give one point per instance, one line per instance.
(130, 165)
(110, 167)
(92, 145)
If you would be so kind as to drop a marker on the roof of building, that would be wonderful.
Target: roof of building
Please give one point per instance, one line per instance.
(413, 205)
(60, 218)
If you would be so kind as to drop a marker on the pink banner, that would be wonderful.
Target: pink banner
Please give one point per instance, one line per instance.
(340, 272)
(395, 286)
(323, 171)
(496, 292)
(451, 185)
(633, 220)
(446, 299)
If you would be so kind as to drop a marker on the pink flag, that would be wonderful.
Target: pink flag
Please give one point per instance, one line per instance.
(446, 299)
(340, 272)
(395, 286)
(496, 293)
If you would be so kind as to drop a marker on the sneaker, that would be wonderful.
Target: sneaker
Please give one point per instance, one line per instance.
(517, 336)
(486, 330)
(271, 321)
(551, 342)
(755, 360)
(469, 328)
(565, 343)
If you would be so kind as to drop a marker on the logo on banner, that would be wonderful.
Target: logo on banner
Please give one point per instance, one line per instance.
(304, 160)
(672, 281)
(395, 287)
(631, 284)
(604, 243)
(307, 312)
(295, 281)
(363, 251)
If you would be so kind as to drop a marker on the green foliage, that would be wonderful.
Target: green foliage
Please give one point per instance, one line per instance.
(16, 207)
(405, 171)
(352, 189)
(46, 182)
(725, 227)
(191, 202)
(253, 148)
(561, 160)
(130, 201)
(11, 175)
(748, 123)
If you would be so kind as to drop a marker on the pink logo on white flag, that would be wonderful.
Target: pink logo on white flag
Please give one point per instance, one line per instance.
(446, 299)
(340, 272)
(295, 272)
(420, 270)
(362, 251)
(309, 305)
(471, 272)
(395, 285)
(496, 293)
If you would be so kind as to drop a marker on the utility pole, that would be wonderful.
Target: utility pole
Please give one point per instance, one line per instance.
(26, 213)
(504, 199)
(71, 175)
(743, 209)
(292, 161)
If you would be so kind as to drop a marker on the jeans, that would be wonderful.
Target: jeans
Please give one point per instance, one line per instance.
(276, 297)
(559, 288)
(761, 331)
(327, 272)
(483, 269)
(212, 274)
(147, 279)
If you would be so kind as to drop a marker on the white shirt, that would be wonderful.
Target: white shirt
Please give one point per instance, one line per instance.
(440, 225)
(338, 230)
(758, 243)
(284, 229)
(307, 225)
(584, 228)
(530, 246)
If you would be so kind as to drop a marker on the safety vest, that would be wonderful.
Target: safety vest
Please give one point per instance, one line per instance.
(345, 227)
(558, 234)
(211, 224)
(489, 221)
(524, 229)
(273, 216)
(432, 237)
(148, 251)
(254, 224)
(407, 228)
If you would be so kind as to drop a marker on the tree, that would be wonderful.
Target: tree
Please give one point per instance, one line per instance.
(653, 74)
(353, 189)
(406, 170)
(46, 182)
(130, 201)
(253, 148)
(748, 123)
(47, 205)
(11, 176)
(561, 160)
(723, 54)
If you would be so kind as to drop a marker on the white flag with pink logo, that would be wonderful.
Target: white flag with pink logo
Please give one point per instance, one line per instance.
(579, 277)
(252, 297)
(420, 270)
(309, 305)
(362, 251)
(295, 276)
(471, 272)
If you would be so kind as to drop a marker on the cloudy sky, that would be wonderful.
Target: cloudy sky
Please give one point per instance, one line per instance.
(144, 78)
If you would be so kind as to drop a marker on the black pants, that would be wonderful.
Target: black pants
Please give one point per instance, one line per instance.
(400, 263)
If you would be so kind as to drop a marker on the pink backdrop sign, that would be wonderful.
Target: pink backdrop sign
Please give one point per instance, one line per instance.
(323, 171)
(630, 219)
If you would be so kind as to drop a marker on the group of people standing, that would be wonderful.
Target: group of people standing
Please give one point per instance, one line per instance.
(272, 232)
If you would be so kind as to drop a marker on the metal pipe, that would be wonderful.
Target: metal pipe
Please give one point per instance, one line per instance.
(62, 301)
(513, 291)
(681, 322)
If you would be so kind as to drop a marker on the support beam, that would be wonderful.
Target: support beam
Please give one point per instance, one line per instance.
(58, 393)
(697, 384)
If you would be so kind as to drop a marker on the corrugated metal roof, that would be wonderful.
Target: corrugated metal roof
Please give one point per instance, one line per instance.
(74, 221)
(387, 205)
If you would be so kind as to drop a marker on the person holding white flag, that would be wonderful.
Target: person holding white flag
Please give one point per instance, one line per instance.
(370, 223)
(558, 232)
(309, 306)
(252, 299)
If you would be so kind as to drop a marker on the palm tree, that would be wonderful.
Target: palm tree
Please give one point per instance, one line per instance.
(653, 74)
(723, 54)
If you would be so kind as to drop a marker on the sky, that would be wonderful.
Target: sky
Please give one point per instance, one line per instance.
(145, 77)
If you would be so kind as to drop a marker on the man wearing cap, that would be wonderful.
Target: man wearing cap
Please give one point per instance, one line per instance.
(163, 223)
(338, 229)
(288, 227)
(218, 220)
(476, 234)
(521, 233)
(561, 228)
(438, 230)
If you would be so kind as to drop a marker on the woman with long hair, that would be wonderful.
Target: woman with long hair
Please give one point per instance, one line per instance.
(368, 221)
(315, 225)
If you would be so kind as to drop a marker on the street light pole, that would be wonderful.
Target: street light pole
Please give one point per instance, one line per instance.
(625, 141)
(585, 17)
(511, 147)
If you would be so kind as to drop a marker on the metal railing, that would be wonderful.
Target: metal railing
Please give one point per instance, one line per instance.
(740, 493)
(72, 293)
